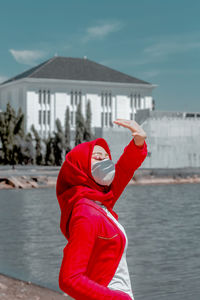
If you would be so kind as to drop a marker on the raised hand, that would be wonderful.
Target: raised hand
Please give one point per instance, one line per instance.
(137, 132)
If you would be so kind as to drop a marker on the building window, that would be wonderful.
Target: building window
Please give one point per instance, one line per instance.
(131, 116)
(40, 117)
(80, 97)
(102, 100)
(40, 97)
(110, 100)
(72, 100)
(106, 104)
(106, 121)
(131, 101)
(75, 98)
(139, 101)
(102, 119)
(110, 119)
(135, 101)
(49, 117)
(106, 100)
(75, 115)
(44, 117)
(44, 97)
(49, 96)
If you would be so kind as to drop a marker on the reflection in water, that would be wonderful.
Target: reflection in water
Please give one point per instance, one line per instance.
(162, 224)
(32, 243)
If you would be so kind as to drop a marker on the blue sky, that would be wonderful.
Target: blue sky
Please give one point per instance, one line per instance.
(154, 40)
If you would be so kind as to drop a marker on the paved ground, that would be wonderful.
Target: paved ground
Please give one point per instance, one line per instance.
(13, 289)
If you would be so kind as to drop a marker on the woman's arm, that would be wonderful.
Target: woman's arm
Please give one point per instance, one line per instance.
(76, 255)
(133, 156)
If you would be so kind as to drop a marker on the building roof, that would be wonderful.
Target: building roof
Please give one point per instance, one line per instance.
(83, 69)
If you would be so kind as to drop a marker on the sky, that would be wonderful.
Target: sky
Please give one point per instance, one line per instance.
(154, 40)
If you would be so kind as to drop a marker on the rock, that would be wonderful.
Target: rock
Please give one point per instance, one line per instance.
(3, 286)
(51, 181)
(13, 181)
(4, 185)
(33, 184)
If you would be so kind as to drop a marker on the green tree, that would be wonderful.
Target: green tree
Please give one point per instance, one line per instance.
(11, 134)
(67, 131)
(20, 140)
(88, 136)
(27, 150)
(80, 126)
(49, 155)
(58, 143)
(6, 132)
(19, 127)
(38, 146)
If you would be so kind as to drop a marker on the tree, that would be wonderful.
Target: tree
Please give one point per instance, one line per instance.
(6, 132)
(49, 156)
(67, 131)
(58, 143)
(80, 126)
(38, 146)
(19, 127)
(153, 104)
(88, 136)
(20, 140)
(11, 134)
(27, 150)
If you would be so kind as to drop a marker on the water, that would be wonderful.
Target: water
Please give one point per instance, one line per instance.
(163, 227)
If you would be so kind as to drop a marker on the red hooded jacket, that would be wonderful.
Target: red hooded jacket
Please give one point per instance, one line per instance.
(95, 243)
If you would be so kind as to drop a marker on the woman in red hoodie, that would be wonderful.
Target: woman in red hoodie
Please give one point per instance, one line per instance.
(88, 185)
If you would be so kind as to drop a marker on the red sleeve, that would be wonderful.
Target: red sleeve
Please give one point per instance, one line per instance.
(76, 255)
(128, 163)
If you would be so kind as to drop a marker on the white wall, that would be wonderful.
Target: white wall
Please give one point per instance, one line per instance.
(61, 102)
(32, 108)
(123, 107)
(95, 101)
(61, 96)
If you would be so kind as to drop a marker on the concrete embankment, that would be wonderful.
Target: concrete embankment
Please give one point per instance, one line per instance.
(166, 176)
(26, 177)
(13, 289)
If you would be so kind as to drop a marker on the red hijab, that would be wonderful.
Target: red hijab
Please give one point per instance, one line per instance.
(75, 181)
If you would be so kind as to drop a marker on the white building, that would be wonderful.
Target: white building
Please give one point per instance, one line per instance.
(45, 91)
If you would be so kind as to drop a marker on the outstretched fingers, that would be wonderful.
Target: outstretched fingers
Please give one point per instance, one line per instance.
(126, 123)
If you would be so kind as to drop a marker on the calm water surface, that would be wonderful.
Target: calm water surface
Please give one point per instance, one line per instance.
(163, 227)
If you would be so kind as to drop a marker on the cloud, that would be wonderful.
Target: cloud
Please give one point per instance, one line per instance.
(150, 73)
(27, 57)
(3, 78)
(161, 48)
(101, 31)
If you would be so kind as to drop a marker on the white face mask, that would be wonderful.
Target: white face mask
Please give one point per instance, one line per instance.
(103, 171)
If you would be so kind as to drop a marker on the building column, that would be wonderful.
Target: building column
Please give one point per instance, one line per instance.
(54, 125)
(46, 99)
(103, 95)
(42, 99)
(115, 108)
